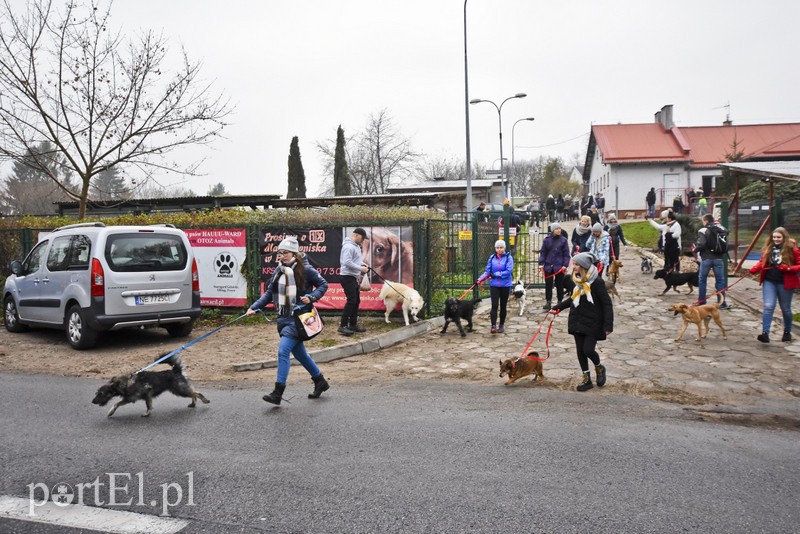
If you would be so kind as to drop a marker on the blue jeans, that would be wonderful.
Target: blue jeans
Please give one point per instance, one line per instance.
(651, 210)
(774, 291)
(295, 346)
(719, 278)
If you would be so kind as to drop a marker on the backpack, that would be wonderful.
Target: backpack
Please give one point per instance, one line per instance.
(717, 239)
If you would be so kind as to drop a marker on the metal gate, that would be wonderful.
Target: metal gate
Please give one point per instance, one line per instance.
(457, 249)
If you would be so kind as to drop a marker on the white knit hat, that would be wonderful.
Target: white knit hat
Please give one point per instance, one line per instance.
(499, 243)
(290, 244)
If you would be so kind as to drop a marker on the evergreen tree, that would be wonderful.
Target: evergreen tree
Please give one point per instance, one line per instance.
(29, 190)
(341, 176)
(297, 178)
(109, 185)
(217, 190)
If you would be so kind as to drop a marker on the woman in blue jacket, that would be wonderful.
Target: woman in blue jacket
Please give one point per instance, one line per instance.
(500, 269)
(295, 282)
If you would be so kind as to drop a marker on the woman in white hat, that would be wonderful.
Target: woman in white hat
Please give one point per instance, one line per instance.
(591, 316)
(293, 282)
(500, 269)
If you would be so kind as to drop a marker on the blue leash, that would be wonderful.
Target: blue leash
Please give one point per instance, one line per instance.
(192, 342)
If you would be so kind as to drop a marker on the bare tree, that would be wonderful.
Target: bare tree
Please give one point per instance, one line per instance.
(377, 157)
(68, 78)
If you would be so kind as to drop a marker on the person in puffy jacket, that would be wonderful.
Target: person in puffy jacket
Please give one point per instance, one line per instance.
(779, 267)
(591, 316)
(500, 271)
(294, 283)
(554, 259)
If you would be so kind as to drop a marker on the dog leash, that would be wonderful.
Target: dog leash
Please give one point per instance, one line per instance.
(192, 342)
(468, 290)
(385, 281)
(561, 270)
(546, 339)
(723, 290)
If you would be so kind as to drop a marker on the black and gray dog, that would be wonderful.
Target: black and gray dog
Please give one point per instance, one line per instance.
(647, 265)
(147, 385)
(455, 310)
(673, 279)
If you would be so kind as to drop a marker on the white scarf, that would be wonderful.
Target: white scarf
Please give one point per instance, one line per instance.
(287, 289)
(583, 287)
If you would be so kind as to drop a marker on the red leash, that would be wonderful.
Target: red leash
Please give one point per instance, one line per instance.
(724, 289)
(546, 338)
(561, 270)
(468, 290)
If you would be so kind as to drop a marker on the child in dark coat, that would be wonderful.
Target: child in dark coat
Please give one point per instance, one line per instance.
(591, 316)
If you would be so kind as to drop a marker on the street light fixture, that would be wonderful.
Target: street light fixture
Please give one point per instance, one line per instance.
(500, 126)
(513, 167)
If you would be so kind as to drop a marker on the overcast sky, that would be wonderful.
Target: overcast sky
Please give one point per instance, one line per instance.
(302, 67)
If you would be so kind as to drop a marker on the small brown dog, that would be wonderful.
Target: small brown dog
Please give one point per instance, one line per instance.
(614, 276)
(699, 315)
(517, 368)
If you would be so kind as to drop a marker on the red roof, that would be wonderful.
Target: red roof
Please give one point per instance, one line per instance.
(702, 146)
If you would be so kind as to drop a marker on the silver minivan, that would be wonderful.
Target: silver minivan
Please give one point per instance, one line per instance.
(89, 277)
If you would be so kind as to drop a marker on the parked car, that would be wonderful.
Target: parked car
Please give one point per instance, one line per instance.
(89, 277)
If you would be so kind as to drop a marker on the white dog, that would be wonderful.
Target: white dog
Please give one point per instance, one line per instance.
(394, 293)
(519, 296)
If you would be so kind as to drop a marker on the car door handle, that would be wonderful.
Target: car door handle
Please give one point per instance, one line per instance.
(45, 280)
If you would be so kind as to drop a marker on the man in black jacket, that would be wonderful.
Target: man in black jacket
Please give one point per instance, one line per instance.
(710, 259)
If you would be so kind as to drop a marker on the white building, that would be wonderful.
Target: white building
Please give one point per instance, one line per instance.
(624, 161)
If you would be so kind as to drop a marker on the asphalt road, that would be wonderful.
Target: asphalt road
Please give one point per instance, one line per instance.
(415, 456)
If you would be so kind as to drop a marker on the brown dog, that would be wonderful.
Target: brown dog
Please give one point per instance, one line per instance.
(614, 276)
(517, 368)
(699, 315)
(390, 257)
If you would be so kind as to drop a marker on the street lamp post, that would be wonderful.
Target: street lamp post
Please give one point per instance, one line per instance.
(500, 127)
(513, 167)
(466, 115)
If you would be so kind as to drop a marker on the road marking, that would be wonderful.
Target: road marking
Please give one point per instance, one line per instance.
(89, 517)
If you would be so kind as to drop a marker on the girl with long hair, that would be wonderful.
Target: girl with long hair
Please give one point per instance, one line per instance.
(779, 267)
(294, 283)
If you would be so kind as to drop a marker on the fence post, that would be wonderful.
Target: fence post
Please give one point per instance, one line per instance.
(724, 217)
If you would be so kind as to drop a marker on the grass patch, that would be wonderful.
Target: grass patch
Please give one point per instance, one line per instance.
(640, 234)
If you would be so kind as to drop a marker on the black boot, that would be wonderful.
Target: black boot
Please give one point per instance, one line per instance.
(586, 384)
(320, 385)
(601, 375)
(276, 395)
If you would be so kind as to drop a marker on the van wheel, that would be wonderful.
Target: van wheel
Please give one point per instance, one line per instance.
(180, 329)
(12, 317)
(79, 334)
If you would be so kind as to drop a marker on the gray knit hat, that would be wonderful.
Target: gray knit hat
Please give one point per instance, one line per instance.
(554, 226)
(584, 259)
(597, 227)
(290, 244)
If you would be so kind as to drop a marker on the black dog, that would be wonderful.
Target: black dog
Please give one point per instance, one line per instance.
(647, 265)
(148, 385)
(455, 310)
(673, 280)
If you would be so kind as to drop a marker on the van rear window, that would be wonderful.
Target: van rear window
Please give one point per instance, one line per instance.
(145, 252)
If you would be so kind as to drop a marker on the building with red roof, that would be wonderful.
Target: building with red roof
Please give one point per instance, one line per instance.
(624, 161)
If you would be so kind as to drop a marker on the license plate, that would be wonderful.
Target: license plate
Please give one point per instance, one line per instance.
(144, 300)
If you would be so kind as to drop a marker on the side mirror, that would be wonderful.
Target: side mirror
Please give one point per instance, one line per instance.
(16, 267)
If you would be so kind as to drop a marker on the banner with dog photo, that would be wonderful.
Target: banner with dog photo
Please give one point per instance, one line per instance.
(389, 250)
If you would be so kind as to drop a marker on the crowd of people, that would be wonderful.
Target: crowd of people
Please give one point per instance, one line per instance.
(573, 267)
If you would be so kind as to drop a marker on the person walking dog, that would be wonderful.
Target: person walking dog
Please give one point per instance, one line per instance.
(294, 282)
(499, 269)
(351, 267)
(591, 316)
(553, 261)
(779, 267)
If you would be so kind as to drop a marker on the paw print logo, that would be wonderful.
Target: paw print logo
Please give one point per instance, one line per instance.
(225, 263)
(62, 494)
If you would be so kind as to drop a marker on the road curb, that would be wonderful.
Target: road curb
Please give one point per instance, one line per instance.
(347, 350)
